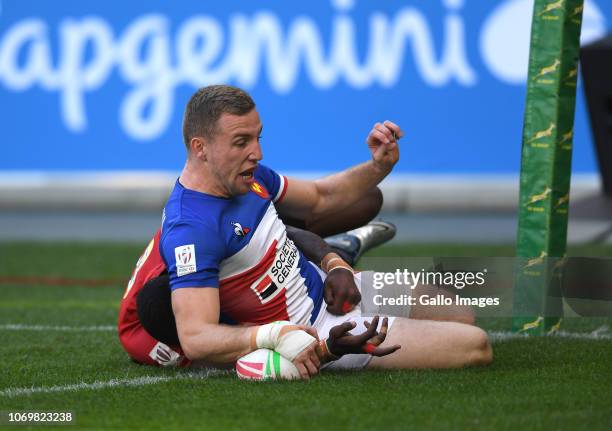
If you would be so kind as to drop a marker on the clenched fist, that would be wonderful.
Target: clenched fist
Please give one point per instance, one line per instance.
(382, 142)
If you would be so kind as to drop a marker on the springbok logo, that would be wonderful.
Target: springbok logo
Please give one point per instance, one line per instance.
(567, 137)
(555, 328)
(577, 10)
(562, 200)
(549, 69)
(572, 73)
(531, 325)
(240, 231)
(560, 263)
(550, 7)
(539, 197)
(507, 57)
(546, 133)
(536, 260)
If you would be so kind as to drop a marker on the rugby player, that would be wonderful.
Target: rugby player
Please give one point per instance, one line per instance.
(229, 258)
(147, 328)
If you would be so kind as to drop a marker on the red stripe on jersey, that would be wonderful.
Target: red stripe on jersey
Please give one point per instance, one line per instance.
(249, 276)
(241, 303)
(271, 311)
(282, 195)
(244, 306)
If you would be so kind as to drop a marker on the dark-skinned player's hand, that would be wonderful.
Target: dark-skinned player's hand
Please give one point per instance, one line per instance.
(341, 342)
(340, 291)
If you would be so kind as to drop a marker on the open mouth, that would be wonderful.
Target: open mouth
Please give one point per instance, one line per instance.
(248, 174)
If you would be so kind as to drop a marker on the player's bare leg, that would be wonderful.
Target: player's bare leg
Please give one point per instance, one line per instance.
(430, 344)
(451, 313)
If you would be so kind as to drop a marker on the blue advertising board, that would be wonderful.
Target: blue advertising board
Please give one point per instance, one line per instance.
(101, 86)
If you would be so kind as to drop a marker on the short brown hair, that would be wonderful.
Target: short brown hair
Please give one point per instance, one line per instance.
(207, 105)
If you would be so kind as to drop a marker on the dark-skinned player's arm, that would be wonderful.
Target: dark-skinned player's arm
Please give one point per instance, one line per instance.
(341, 293)
(312, 245)
(306, 200)
(197, 310)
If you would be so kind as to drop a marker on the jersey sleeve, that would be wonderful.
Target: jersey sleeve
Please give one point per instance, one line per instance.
(275, 183)
(192, 253)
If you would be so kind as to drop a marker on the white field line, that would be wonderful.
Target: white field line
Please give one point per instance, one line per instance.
(20, 327)
(136, 381)
(602, 333)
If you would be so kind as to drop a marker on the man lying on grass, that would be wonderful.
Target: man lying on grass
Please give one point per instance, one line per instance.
(233, 270)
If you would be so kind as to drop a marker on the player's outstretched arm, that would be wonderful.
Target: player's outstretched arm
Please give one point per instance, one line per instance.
(312, 245)
(307, 200)
(196, 311)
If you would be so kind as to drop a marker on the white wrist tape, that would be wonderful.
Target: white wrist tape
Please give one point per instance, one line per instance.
(267, 335)
(289, 345)
(292, 343)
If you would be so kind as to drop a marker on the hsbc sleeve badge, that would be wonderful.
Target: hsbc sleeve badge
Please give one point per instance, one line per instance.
(185, 259)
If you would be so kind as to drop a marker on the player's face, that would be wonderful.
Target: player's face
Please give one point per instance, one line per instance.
(235, 152)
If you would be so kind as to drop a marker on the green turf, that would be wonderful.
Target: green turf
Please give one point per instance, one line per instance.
(538, 383)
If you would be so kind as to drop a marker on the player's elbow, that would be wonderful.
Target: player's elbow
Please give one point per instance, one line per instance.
(193, 346)
(320, 201)
(205, 345)
(373, 200)
(196, 352)
(190, 349)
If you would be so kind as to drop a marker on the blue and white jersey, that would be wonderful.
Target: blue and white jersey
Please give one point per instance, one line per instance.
(240, 246)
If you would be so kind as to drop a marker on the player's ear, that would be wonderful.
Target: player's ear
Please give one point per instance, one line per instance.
(198, 148)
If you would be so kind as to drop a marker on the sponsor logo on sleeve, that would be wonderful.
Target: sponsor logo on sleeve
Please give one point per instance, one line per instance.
(185, 259)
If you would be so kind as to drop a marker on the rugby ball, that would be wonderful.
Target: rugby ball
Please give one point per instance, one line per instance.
(265, 364)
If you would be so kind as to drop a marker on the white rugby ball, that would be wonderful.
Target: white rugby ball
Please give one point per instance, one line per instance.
(265, 364)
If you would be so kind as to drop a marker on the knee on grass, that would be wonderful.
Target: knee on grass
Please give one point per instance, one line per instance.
(478, 348)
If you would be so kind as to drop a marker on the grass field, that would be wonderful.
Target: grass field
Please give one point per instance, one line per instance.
(60, 352)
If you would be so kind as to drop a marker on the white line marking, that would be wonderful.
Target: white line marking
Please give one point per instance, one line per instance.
(601, 333)
(20, 327)
(136, 381)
